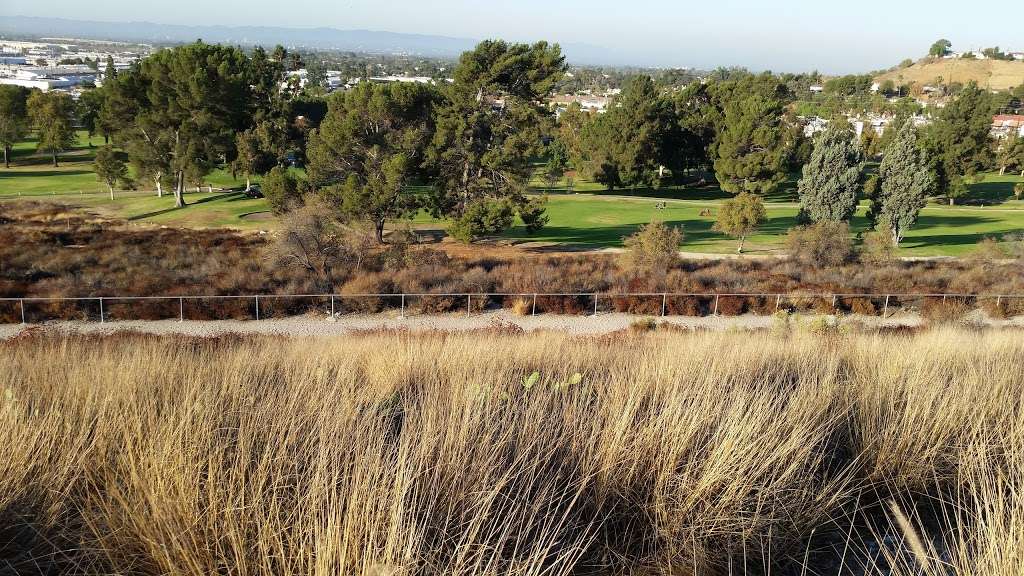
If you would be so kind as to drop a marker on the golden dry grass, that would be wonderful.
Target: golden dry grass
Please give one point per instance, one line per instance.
(990, 74)
(391, 454)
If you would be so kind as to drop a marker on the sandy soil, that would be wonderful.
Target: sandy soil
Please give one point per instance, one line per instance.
(323, 326)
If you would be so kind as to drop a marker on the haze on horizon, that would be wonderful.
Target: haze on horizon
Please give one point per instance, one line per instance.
(790, 35)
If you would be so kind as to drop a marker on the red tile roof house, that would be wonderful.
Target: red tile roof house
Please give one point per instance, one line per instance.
(1005, 124)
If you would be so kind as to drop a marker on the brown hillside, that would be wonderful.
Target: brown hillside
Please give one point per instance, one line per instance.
(992, 74)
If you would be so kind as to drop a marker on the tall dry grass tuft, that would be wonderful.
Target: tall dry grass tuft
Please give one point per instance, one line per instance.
(392, 454)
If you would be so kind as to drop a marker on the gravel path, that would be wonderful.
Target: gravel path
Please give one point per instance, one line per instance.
(320, 326)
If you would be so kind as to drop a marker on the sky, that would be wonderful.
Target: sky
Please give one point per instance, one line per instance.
(780, 35)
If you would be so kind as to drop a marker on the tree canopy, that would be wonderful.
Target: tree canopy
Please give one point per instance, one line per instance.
(371, 146)
(904, 183)
(52, 114)
(13, 117)
(752, 145)
(831, 179)
(491, 122)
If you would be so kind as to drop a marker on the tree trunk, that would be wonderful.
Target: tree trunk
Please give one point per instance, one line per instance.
(179, 190)
(7, 159)
(111, 190)
(742, 239)
(248, 183)
(55, 159)
(159, 188)
(380, 231)
(952, 201)
(1002, 171)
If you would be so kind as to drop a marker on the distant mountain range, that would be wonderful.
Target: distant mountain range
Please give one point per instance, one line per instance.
(369, 41)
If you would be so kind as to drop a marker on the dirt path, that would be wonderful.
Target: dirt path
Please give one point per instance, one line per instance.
(320, 326)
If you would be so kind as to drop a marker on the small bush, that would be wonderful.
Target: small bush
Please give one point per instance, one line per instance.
(282, 190)
(989, 249)
(533, 214)
(821, 245)
(877, 248)
(862, 306)
(948, 311)
(522, 307)
(643, 325)
(482, 218)
(652, 250)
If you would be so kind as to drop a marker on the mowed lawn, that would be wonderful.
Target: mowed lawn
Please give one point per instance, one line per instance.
(590, 218)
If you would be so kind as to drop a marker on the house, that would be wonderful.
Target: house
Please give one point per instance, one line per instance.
(813, 125)
(817, 89)
(588, 103)
(1004, 125)
(1016, 55)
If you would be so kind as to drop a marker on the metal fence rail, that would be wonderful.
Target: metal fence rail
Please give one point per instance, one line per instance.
(399, 301)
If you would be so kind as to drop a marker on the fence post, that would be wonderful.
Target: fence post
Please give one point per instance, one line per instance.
(715, 313)
(664, 304)
(22, 311)
(778, 301)
(595, 303)
(102, 320)
(534, 311)
(469, 304)
(257, 307)
(834, 301)
(403, 305)
(885, 309)
(181, 309)
(332, 305)
(999, 300)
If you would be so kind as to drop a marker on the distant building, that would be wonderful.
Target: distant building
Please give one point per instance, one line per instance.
(47, 77)
(8, 58)
(817, 89)
(588, 103)
(813, 125)
(1004, 125)
(406, 79)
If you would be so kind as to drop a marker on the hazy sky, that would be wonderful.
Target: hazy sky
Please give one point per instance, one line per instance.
(782, 35)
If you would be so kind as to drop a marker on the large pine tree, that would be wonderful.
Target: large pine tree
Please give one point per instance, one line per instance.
(632, 141)
(752, 143)
(831, 179)
(904, 183)
(491, 122)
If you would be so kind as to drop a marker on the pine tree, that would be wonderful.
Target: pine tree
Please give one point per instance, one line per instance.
(904, 183)
(751, 148)
(632, 139)
(370, 146)
(491, 123)
(831, 180)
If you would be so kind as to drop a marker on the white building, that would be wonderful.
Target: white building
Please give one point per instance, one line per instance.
(47, 77)
(1003, 125)
(12, 59)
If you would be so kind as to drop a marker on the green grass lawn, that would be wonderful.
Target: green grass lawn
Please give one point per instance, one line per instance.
(600, 221)
(592, 217)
